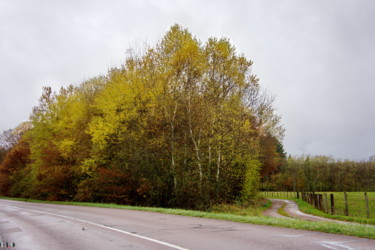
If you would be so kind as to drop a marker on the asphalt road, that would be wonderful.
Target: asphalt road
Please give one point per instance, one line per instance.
(48, 226)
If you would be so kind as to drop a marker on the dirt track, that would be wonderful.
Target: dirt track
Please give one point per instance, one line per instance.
(291, 208)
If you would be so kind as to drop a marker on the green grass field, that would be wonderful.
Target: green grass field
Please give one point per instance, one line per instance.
(356, 202)
(278, 194)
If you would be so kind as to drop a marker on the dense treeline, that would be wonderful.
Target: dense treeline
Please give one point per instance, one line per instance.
(322, 173)
(183, 124)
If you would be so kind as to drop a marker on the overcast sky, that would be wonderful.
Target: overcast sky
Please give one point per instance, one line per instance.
(317, 57)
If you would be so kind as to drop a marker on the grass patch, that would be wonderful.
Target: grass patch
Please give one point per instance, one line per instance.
(281, 211)
(220, 214)
(279, 195)
(238, 209)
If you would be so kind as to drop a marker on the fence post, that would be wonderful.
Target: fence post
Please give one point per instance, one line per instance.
(309, 198)
(332, 203)
(346, 211)
(326, 209)
(367, 207)
(297, 195)
(320, 202)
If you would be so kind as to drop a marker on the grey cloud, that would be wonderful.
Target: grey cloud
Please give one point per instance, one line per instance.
(316, 57)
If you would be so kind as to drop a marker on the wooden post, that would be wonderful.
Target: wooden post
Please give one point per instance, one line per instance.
(346, 211)
(316, 201)
(309, 198)
(326, 210)
(332, 203)
(367, 207)
(297, 195)
(320, 202)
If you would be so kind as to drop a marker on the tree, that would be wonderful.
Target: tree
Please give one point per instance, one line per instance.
(183, 124)
(15, 158)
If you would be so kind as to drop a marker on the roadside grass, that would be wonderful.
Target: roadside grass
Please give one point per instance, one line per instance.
(239, 209)
(219, 214)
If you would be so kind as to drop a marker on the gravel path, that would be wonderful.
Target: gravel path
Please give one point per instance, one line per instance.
(292, 209)
(272, 211)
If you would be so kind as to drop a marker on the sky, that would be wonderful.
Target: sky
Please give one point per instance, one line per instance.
(316, 57)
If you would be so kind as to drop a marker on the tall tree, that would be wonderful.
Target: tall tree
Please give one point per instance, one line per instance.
(183, 124)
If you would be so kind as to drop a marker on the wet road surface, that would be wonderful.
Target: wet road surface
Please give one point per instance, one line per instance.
(48, 226)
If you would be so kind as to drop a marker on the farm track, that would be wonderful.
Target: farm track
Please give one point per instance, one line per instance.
(291, 208)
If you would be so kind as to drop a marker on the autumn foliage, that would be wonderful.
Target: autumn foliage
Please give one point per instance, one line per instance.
(184, 124)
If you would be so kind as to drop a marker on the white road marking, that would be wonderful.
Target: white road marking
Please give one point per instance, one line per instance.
(294, 235)
(329, 247)
(106, 227)
(337, 244)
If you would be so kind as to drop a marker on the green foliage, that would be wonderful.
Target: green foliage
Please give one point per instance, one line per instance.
(184, 124)
(250, 186)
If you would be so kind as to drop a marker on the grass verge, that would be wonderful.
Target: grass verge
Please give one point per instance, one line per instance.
(328, 227)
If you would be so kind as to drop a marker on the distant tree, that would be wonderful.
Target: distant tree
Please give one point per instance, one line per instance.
(322, 173)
